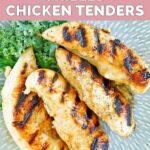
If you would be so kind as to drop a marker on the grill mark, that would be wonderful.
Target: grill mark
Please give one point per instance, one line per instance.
(33, 137)
(127, 63)
(66, 90)
(128, 110)
(66, 34)
(74, 111)
(106, 85)
(77, 100)
(83, 65)
(91, 125)
(80, 36)
(41, 75)
(96, 145)
(84, 126)
(115, 43)
(22, 98)
(94, 72)
(146, 75)
(99, 46)
(69, 56)
(55, 78)
(34, 103)
(24, 68)
(106, 31)
(96, 34)
(88, 114)
(117, 105)
(113, 49)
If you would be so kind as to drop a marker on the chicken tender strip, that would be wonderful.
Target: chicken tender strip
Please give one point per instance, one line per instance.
(75, 123)
(98, 93)
(24, 114)
(113, 59)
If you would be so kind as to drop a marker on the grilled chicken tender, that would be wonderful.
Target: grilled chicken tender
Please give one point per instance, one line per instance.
(113, 59)
(25, 116)
(76, 124)
(98, 93)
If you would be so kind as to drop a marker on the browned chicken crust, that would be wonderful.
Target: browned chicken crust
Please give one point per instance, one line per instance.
(76, 124)
(113, 59)
(25, 116)
(35, 125)
(98, 93)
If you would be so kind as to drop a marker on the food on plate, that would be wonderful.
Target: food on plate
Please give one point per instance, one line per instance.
(113, 59)
(48, 111)
(76, 124)
(24, 114)
(98, 93)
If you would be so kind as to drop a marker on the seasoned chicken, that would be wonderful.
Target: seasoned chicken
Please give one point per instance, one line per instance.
(25, 116)
(76, 124)
(113, 59)
(98, 93)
